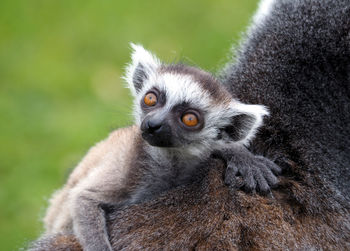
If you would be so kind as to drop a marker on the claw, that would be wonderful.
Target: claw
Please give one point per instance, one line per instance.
(270, 195)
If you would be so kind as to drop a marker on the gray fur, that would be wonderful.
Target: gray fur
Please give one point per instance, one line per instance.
(297, 62)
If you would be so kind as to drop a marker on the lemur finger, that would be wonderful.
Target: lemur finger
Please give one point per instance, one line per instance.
(262, 184)
(249, 179)
(268, 175)
(271, 165)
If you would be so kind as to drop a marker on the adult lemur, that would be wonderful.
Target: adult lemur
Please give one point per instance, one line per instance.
(182, 115)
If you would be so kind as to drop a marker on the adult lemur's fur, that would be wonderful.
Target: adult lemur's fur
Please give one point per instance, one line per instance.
(182, 115)
(296, 60)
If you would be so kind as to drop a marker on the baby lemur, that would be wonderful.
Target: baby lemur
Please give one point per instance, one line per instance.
(183, 115)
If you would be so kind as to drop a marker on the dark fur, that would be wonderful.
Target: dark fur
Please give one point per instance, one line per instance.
(139, 77)
(298, 65)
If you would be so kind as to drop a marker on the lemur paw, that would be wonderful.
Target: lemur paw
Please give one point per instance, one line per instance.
(250, 172)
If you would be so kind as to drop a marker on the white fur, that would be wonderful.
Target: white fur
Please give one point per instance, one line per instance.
(265, 7)
(178, 89)
(257, 111)
(140, 56)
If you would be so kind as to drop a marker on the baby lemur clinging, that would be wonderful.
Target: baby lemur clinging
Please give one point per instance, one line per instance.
(182, 114)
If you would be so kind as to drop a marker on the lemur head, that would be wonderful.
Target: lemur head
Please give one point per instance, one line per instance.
(179, 106)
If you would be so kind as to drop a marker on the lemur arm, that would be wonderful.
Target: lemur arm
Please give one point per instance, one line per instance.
(87, 201)
(89, 222)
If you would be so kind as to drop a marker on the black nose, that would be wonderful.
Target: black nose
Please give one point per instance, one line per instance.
(153, 126)
(156, 132)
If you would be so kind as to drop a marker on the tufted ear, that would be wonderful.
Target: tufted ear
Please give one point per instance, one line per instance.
(245, 121)
(143, 65)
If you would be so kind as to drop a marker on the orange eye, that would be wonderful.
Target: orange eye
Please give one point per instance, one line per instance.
(150, 99)
(190, 119)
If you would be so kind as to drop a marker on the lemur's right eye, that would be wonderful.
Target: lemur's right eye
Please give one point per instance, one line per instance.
(150, 99)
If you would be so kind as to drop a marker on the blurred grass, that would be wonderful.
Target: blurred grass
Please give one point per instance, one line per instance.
(60, 86)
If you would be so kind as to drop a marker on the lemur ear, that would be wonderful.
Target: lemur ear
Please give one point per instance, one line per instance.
(245, 122)
(141, 68)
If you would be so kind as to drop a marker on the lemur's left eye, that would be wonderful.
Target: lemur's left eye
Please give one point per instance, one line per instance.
(150, 99)
(190, 119)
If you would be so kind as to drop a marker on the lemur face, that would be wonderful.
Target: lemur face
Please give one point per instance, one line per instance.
(174, 111)
(184, 107)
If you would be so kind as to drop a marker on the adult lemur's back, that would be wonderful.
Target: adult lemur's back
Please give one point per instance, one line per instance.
(296, 60)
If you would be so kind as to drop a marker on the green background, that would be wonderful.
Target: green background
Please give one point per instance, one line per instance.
(61, 63)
